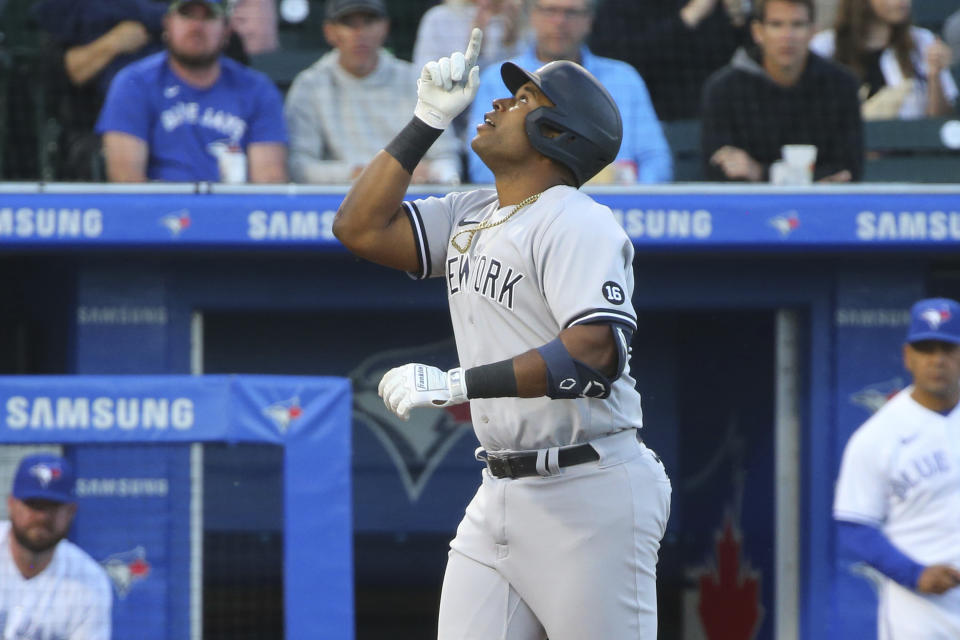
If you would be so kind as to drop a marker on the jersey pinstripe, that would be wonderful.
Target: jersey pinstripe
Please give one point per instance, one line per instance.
(558, 262)
(69, 600)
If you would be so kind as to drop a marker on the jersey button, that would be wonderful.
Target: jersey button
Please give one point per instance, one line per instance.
(484, 419)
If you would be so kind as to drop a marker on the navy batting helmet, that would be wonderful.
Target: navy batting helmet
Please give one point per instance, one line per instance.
(585, 115)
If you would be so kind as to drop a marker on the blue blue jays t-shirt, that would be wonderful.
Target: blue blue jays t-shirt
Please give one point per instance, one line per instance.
(185, 127)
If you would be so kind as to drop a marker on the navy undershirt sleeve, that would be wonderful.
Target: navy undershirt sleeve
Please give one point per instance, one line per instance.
(868, 544)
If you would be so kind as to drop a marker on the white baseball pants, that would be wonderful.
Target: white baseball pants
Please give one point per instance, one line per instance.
(571, 556)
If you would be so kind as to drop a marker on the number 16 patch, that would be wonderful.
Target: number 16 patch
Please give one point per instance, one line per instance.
(613, 292)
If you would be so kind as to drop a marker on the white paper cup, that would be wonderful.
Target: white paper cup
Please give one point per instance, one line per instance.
(799, 155)
(800, 158)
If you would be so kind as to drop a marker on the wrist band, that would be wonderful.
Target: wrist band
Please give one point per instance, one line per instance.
(411, 144)
(495, 380)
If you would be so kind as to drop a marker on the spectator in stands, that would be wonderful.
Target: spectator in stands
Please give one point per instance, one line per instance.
(49, 587)
(560, 28)
(903, 69)
(97, 38)
(674, 44)
(445, 27)
(191, 114)
(255, 21)
(780, 93)
(951, 35)
(342, 109)
(100, 37)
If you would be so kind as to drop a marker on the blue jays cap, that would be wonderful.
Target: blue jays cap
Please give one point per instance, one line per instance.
(217, 7)
(44, 477)
(336, 9)
(935, 319)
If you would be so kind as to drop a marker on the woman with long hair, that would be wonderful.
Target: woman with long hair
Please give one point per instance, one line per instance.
(903, 68)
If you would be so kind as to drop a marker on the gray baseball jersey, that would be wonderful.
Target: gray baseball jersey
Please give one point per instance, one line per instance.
(559, 262)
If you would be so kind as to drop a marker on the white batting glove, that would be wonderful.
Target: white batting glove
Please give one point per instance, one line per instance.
(420, 385)
(447, 86)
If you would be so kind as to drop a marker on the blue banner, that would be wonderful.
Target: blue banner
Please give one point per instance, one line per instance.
(870, 323)
(85, 409)
(135, 500)
(769, 218)
(133, 517)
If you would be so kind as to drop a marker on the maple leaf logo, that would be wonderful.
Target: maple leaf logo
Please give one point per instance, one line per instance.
(730, 592)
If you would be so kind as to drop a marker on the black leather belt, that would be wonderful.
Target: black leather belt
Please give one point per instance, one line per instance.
(522, 465)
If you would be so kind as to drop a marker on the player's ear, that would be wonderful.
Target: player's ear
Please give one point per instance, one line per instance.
(907, 357)
(71, 509)
(330, 33)
(756, 30)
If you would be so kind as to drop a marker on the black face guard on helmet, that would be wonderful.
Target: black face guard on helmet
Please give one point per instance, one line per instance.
(585, 116)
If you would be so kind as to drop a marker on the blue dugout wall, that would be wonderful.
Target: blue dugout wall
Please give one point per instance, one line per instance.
(142, 273)
(130, 439)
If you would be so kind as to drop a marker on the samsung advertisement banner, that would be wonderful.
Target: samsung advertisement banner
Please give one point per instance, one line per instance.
(130, 438)
(771, 219)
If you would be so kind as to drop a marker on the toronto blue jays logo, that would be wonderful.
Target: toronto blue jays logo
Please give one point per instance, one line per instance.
(45, 473)
(934, 317)
(126, 569)
(417, 447)
(176, 222)
(786, 223)
(284, 412)
(872, 397)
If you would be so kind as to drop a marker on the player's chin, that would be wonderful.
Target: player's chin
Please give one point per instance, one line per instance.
(38, 540)
(477, 143)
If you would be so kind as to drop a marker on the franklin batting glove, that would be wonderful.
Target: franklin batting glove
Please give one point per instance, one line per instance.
(420, 385)
(447, 86)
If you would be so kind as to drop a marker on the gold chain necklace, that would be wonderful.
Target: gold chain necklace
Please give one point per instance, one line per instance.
(489, 225)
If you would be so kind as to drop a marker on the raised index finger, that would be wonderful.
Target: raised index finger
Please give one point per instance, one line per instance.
(473, 48)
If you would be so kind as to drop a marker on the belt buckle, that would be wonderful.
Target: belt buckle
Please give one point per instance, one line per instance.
(501, 467)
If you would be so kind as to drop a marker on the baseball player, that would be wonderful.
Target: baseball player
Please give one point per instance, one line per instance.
(562, 537)
(49, 588)
(897, 504)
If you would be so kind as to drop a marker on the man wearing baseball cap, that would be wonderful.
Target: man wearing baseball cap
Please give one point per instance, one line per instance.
(897, 503)
(189, 113)
(341, 110)
(49, 587)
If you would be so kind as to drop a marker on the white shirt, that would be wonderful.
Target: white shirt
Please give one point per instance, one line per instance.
(915, 104)
(71, 599)
(446, 28)
(901, 472)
